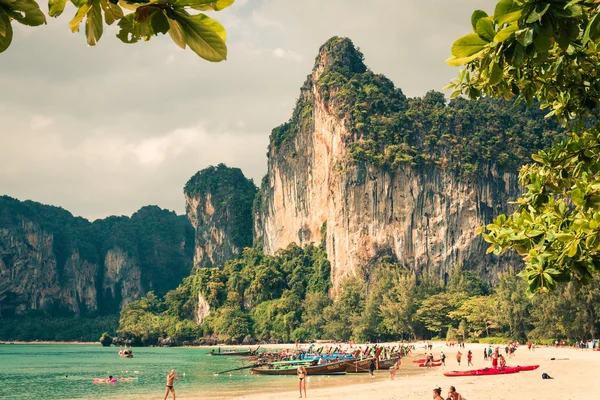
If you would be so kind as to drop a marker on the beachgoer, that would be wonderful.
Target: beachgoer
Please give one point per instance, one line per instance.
(495, 360)
(443, 358)
(394, 368)
(469, 358)
(484, 354)
(502, 361)
(458, 356)
(453, 394)
(170, 384)
(301, 372)
(506, 350)
(489, 351)
(437, 394)
(372, 367)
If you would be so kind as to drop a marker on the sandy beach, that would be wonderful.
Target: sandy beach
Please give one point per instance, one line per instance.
(574, 372)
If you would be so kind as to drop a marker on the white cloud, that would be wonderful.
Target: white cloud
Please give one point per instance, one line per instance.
(40, 122)
(289, 54)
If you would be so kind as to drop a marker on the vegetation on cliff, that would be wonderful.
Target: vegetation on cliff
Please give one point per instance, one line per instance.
(285, 297)
(232, 197)
(389, 130)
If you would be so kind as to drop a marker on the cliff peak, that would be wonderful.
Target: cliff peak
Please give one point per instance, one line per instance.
(340, 54)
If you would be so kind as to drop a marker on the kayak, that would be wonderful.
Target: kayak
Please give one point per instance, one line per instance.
(422, 360)
(434, 364)
(492, 371)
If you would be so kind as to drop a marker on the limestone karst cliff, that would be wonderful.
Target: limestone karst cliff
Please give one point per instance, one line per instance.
(219, 206)
(55, 263)
(380, 174)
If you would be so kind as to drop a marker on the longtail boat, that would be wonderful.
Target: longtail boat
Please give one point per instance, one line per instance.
(336, 368)
(233, 353)
(354, 366)
(386, 364)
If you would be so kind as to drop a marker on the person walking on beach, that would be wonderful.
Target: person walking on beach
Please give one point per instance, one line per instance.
(372, 367)
(484, 354)
(301, 371)
(469, 358)
(170, 384)
(458, 357)
(443, 358)
(395, 368)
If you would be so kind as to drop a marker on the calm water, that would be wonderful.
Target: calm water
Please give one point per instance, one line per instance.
(38, 372)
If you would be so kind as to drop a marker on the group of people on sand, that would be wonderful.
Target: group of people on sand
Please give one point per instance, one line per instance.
(498, 360)
(452, 394)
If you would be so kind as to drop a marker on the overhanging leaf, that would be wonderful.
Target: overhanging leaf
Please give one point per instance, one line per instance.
(592, 30)
(56, 7)
(6, 38)
(468, 45)
(94, 23)
(202, 40)
(524, 36)
(112, 12)
(27, 12)
(76, 21)
(458, 61)
(212, 24)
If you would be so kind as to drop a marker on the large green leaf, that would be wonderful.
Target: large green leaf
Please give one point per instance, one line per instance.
(592, 30)
(212, 24)
(524, 36)
(27, 12)
(176, 33)
(468, 45)
(76, 21)
(476, 16)
(485, 29)
(202, 39)
(6, 28)
(94, 23)
(458, 61)
(132, 32)
(507, 11)
(205, 5)
(56, 7)
(506, 33)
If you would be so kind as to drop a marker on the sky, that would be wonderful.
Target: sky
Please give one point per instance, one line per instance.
(106, 130)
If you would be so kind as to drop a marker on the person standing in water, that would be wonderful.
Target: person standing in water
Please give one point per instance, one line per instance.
(301, 372)
(170, 384)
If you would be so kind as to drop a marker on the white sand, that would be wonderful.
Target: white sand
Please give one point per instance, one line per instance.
(576, 377)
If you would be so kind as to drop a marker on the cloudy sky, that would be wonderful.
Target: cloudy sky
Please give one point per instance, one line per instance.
(108, 129)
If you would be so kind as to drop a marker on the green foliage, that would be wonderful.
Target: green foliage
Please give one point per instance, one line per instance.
(435, 311)
(387, 130)
(106, 340)
(146, 18)
(264, 297)
(546, 50)
(40, 327)
(231, 195)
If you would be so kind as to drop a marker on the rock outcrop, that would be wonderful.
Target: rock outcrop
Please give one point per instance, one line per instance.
(55, 263)
(377, 175)
(219, 206)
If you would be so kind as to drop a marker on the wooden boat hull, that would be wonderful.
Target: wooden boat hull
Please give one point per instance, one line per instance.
(337, 368)
(357, 366)
(386, 364)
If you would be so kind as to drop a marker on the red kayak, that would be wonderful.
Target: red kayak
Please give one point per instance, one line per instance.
(485, 371)
(525, 367)
(434, 364)
(422, 360)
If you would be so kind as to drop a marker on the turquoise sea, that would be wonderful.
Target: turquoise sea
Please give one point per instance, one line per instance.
(52, 372)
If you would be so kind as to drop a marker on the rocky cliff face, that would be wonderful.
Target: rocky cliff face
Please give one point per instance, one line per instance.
(383, 176)
(55, 263)
(219, 206)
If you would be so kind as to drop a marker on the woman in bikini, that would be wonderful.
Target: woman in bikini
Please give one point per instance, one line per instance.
(301, 371)
(437, 394)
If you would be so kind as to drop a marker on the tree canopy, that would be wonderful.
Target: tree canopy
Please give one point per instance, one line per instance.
(137, 19)
(549, 51)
